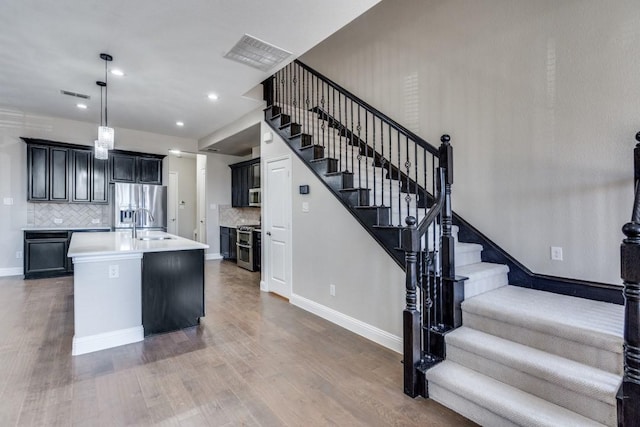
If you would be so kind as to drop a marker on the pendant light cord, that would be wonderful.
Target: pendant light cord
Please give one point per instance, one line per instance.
(106, 95)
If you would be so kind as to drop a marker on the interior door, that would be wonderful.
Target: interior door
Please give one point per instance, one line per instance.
(277, 205)
(202, 211)
(172, 203)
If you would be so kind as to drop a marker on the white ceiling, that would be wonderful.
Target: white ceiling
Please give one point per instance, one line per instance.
(171, 51)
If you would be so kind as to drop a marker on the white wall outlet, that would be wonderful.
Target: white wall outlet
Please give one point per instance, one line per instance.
(18, 254)
(332, 290)
(114, 271)
(305, 206)
(95, 221)
(213, 206)
(267, 137)
(7, 201)
(556, 253)
(57, 220)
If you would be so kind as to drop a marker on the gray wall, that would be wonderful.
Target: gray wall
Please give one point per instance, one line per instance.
(541, 99)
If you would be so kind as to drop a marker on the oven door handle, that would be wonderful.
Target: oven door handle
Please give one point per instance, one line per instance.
(240, 245)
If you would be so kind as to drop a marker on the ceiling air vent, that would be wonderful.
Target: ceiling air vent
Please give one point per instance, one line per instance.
(74, 94)
(256, 53)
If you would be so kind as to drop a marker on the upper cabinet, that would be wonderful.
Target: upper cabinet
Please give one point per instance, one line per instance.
(59, 172)
(48, 173)
(244, 176)
(89, 178)
(142, 169)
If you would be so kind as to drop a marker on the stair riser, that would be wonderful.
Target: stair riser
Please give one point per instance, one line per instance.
(356, 198)
(465, 407)
(379, 216)
(468, 258)
(325, 166)
(339, 182)
(473, 287)
(312, 152)
(582, 404)
(592, 356)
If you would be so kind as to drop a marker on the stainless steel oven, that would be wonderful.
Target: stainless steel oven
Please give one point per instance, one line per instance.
(244, 248)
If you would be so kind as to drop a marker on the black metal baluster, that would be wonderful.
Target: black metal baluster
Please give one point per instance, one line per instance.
(382, 163)
(359, 129)
(390, 175)
(373, 164)
(351, 139)
(366, 162)
(340, 127)
(416, 188)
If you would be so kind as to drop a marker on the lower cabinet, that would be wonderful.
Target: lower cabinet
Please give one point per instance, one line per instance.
(228, 240)
(172, 290)
(45, 254)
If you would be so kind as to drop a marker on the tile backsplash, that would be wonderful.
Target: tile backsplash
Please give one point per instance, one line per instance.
(67, 215)
(231, 217)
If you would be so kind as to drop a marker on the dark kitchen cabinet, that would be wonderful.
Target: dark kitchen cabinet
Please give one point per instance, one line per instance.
(89, 182)
(45, 254)
(136, 169)
(47, 173)
(123, 167)
(228, 240)
(244, 176)
(172, 290)
(257, 250)
(149, 170)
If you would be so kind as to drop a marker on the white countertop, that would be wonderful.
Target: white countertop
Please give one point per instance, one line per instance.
(34, 228)
(121, 242)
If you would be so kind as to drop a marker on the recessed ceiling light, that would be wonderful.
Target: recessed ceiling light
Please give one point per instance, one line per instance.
(212, 96)
(180, 124)
(82, 106)
(117, 72)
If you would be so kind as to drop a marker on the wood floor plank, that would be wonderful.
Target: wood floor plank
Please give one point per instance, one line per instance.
(254, 360)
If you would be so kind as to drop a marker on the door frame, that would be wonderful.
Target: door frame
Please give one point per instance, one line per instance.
(266, 256)
(176, 191)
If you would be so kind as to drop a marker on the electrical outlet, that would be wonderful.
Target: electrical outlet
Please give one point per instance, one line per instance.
(114, 271)
(332, 290)
(95, 221)
(556, 253)
(57, 220)
(8, 201)
(18, 254)
(305, 206)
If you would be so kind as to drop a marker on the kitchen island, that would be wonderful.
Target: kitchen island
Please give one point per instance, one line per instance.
(126, 288)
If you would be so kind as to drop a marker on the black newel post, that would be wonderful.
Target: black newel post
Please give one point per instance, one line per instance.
(453, 286)
(629, 393)
(411, 316)
(448, 244)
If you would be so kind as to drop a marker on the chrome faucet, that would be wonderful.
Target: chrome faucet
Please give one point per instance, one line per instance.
(134, 230)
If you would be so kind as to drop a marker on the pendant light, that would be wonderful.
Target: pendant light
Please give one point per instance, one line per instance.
(101, 148)
(105, 139)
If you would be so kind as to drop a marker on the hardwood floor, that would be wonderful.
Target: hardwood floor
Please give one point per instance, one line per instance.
(254, 360)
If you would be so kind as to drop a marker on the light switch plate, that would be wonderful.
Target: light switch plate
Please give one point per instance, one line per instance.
(57, 221)
(7, 201)
(95, 221)
(305, 206)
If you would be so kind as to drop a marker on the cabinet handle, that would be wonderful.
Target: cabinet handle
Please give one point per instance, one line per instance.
(268, 233)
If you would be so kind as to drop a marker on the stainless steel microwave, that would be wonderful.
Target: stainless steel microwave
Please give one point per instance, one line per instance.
(255, 197)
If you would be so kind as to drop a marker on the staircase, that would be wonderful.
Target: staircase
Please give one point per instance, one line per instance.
(498, 354)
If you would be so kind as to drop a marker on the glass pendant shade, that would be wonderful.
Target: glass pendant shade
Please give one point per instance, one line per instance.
(101, 151)
(106, 136)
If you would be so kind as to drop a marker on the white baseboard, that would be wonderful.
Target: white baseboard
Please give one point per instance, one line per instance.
(105, 340)
(354, 325)
(212, 256)
(14, 271)
(263, 286)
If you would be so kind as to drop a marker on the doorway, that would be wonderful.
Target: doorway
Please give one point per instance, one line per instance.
(277, 211)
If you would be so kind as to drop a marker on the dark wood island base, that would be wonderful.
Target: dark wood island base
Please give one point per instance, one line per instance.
(172, 290)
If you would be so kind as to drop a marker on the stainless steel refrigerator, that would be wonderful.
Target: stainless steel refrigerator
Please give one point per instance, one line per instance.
(129, 197)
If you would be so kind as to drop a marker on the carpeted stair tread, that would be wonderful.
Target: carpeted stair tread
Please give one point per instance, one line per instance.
(578, 387)
(593, 323)
(482, 277)
(454, 385)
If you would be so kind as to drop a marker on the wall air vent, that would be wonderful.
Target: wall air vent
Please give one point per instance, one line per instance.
(74, 94)
(257, 53)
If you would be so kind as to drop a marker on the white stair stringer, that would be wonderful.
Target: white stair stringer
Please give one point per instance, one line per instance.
(583, 389)
(489, 402)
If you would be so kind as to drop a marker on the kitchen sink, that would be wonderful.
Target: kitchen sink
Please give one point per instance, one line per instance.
(156, 238)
